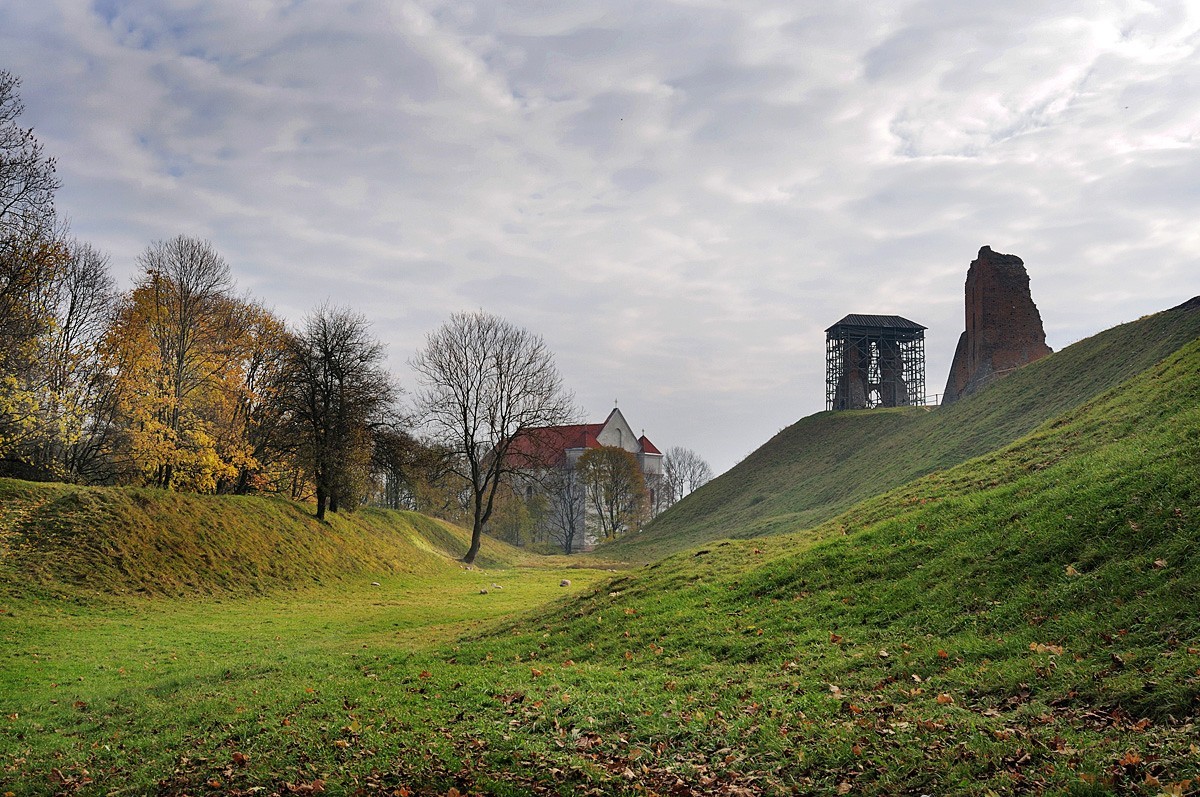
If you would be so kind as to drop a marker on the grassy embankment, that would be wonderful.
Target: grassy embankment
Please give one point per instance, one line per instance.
(826, 463)
(1023, 622)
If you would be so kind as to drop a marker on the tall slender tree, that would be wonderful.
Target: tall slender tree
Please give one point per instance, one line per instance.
(484, 381)
(80, 407)
(566, 507)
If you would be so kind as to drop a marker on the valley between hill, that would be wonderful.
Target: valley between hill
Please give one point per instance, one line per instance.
(1003, 600)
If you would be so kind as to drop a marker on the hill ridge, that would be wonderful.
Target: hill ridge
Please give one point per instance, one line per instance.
(825, 463)
(162, 543)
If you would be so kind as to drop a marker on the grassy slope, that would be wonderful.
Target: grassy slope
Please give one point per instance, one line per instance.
(827, 462)
(1023, 622)
(162, 543)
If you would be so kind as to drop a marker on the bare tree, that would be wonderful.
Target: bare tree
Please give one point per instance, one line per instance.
(615, 489)
(27, 179)
(566, 508)
(483, 382)
(338, 395)
(684, 471)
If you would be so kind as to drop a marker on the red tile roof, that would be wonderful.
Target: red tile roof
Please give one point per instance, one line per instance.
(546, 446)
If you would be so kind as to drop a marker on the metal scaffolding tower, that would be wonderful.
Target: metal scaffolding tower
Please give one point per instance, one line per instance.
(874, 361)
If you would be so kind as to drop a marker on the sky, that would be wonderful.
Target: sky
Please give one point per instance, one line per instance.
(679, 197)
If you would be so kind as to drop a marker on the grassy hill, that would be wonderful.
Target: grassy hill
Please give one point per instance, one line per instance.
(827, 462)
(1025, 622)
(114, 540)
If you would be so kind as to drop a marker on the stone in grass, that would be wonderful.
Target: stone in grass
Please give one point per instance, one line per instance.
(566, 582)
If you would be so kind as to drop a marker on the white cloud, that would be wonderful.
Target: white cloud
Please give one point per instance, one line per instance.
(680, 196)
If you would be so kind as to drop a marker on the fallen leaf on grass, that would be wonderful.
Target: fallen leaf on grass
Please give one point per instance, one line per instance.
(945, 698)
(1038, 647)
(1130, 759)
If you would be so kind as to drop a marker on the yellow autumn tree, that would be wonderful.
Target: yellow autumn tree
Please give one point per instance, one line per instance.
(195, 369)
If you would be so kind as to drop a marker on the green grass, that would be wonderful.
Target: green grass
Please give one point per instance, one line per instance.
(826, 463)
(140, 697)
(159, 543)
(1024, 622)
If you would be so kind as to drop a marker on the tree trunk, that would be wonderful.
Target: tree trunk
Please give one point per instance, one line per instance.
(476, 538)
(320, 502)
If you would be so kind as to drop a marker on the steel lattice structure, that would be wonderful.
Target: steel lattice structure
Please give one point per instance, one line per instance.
(874, 361)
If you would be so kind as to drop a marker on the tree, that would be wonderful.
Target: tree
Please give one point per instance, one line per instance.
(483, 382)
(258, 420)
(79, 409)
(29, 271)
(177, 346)
(31, 259)
(684, 471)
(615, 489)
(566, 507)
(27, 178)
(337, 394)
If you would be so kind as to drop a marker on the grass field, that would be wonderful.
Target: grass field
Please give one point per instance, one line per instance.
(1024, 622)
(204, 695)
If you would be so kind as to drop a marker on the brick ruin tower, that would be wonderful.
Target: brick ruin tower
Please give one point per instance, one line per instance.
(874, 361)
(1004, 329)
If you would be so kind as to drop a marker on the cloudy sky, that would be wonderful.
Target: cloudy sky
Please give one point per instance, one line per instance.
(679, 196)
